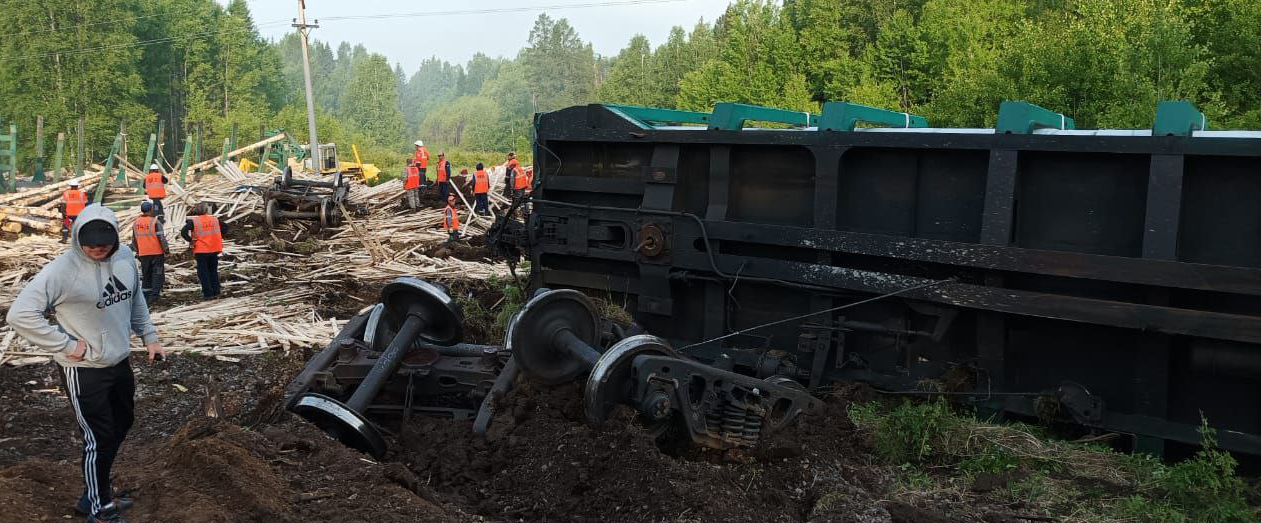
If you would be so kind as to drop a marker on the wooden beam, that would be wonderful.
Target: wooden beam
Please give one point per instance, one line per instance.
(207, 163)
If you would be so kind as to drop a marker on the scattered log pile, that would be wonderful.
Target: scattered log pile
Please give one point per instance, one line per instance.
(233, 326)
(272, 291)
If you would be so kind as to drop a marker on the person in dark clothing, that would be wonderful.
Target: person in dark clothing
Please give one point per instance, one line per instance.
(91, 291)
(481, 191)
(204, 234)
(149, 242)
(155, 188)
(443, 177)
(510, 176)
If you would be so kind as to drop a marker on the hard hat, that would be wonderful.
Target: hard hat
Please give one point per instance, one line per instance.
(146, 207)
(420, 143)
(450, 197)
(155, 167)
(74, 183)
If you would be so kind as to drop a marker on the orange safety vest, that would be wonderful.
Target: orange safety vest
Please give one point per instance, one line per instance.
(206, 236)
(75, 200)
(442, 171)
(529, 177)
(519, 180)
(481, 182)
(413, 179)
(452, 223)
(421, 158)
(147, 236)
(153, 186)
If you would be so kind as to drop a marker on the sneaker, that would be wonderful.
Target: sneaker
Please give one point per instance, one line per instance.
(111, 513)
(84, 507)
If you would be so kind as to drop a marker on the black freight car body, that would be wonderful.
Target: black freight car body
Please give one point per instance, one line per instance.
(1117, 272)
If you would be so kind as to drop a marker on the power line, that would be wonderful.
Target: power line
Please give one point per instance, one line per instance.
(144, 43)
(498, 10)
(102, 22)
(210, 34)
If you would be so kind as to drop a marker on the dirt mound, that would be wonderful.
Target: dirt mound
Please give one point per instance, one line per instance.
(214, 471)
(38, 488)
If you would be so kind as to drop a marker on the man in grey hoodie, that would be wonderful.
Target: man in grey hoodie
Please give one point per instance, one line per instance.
(93, 292)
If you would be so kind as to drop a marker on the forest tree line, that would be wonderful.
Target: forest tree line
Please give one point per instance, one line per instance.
(1106, 63)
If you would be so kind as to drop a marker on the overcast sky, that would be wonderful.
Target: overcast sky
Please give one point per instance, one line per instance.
(456, 37)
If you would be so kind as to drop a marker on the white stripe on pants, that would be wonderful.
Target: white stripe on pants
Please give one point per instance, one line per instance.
(89, 439)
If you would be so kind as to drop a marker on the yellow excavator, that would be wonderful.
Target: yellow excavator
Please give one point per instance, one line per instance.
(368, 171)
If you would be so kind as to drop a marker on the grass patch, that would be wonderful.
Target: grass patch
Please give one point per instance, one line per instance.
(514, 299)
(1091, 483)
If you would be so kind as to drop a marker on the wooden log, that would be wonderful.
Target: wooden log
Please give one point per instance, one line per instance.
(255, 145)
(11, 227)
(34, 223)
(50, 189)
(31, 211)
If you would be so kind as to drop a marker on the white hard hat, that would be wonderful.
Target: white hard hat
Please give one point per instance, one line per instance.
(74, 183)
(420, 143)
(155, 167)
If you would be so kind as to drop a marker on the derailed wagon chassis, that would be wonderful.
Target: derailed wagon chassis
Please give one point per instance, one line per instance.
(1116, 272)
(290, 198)
(404, 357)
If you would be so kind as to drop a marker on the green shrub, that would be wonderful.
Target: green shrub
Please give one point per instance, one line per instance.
(1202, 489)
(911, 433)
(1205, 487)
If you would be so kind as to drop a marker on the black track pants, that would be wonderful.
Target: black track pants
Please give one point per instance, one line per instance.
(208, 274)
(104, 406)
(153, 275)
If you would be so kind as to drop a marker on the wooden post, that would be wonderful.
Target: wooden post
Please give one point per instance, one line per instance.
(37, 175)
(80, 159)
(188, 151)
(161, 151)
(121, 178)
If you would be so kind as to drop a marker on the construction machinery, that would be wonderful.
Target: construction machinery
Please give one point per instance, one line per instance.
(368, 172)
(282, 151)
(1104, 278)
(328, 159)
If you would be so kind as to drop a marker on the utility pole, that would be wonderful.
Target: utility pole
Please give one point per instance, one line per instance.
(305, 29)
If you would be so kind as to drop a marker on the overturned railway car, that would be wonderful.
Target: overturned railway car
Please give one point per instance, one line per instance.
(1114, 271)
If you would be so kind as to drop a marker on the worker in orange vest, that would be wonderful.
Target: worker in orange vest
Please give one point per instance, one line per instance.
(155, 188)
(149, 242)
(451, 219)
(519, 182)
(529, 179)
(481, 191)
(411, 187)
(444, 177)
(204, 234)
(420, 159)
(72, 203)
(511, 169)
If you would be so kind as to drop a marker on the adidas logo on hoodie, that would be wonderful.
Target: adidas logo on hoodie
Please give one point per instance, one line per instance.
(115, 292)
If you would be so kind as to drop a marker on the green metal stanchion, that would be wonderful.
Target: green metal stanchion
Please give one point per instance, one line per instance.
(109, 169)
(61, 145)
